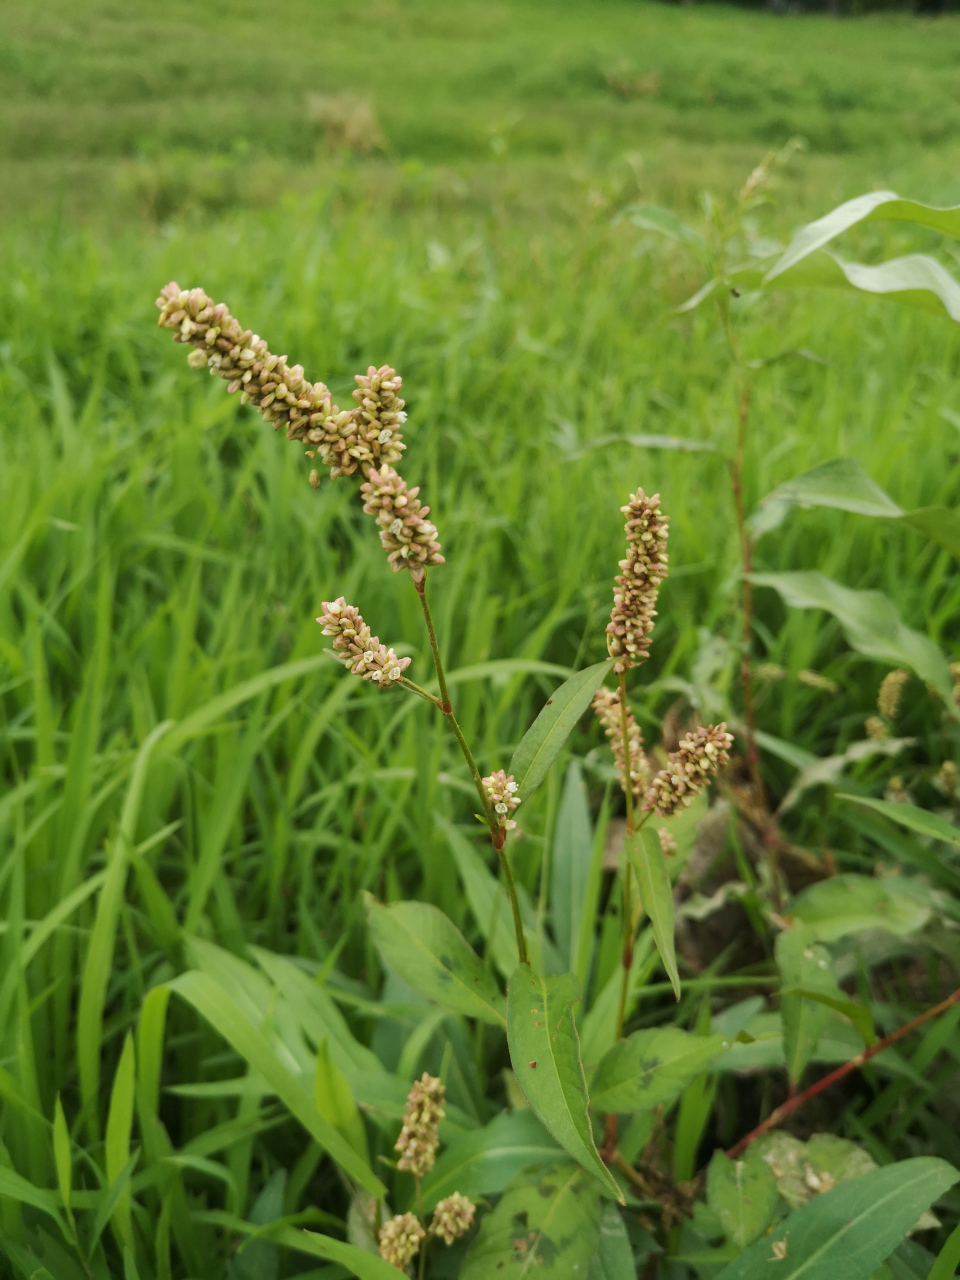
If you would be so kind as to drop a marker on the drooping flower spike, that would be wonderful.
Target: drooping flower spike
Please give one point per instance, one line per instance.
(366, 436)
(358, 650)
(701, 755)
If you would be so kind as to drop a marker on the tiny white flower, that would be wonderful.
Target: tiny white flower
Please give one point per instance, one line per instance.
(402, 415)
(385, 435)
(513, 787)
(396, 527)
(501, 808)
(376, 676)
(368, 656)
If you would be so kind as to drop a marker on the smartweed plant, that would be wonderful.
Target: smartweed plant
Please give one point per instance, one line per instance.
(596, 1096)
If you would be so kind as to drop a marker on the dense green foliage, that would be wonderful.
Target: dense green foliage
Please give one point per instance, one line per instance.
(162, 559)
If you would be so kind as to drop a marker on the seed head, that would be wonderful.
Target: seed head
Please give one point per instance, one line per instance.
(668, 842)
(419, 1137)
(407, 536)
(888, 699)
(452, 1218)
(635, 592)
(701, 754)
(876, 728)
(364, 437)
(502, 793)
(606, 703)
(400, 1239)
(358, 650)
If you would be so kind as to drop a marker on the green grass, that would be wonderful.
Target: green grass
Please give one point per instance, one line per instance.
(160, 548)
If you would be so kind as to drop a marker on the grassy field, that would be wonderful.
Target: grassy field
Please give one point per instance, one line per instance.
(162, 557)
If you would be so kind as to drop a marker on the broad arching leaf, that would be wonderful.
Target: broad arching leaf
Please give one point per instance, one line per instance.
(546, 1226)
(429, 952)
(871, 624)
(651, 1067)
(875, 206)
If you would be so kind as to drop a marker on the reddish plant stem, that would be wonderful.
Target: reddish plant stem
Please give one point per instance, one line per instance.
(768, 831)
(779, 1114)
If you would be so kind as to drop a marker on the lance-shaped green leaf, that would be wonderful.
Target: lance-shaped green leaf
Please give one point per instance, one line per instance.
(545, 1054)
(542, 742)
(656, 896)
(909, 816)
(429, 952)
(939, 524)
(948, 1258)
(212, 1003)
(651, 217)
(651, 1067)
(570, 865)
(486, 1161)
(546, 1225)
(850, 1230)
(743, 1195)
(803, 963)
(614, 1257)
(840, 483)
(875, 206)
(870, 623)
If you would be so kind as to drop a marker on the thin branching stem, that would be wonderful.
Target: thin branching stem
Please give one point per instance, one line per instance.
(415, 688)
(781, 1113)
(498, 835)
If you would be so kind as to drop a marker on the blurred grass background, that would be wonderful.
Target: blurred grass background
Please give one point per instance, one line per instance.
(433, 186)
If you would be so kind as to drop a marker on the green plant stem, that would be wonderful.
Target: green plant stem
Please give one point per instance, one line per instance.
(781, 1113)
(627, 781)
(422, 1262)
(736, 465)
(498, 836)
(421, 587)
(415, 688)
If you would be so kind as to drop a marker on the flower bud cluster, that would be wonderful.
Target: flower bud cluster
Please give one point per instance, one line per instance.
(701, 754)
(452, 1218)
(502, 793)
(407, 536)
(888, 698)
(358, 650)
(364, 437)
(419, 1137)
(400, 1239)
(606, 704)
(635, 592)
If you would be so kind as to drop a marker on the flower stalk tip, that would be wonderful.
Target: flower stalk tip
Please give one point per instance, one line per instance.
(636, 586)
(419, 1137)
(407, 536)
(400, 1238)
(452, 1218)
(501, 791)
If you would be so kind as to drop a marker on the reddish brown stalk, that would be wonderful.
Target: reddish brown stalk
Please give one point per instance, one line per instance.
(793, 1104)
(768, 831)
